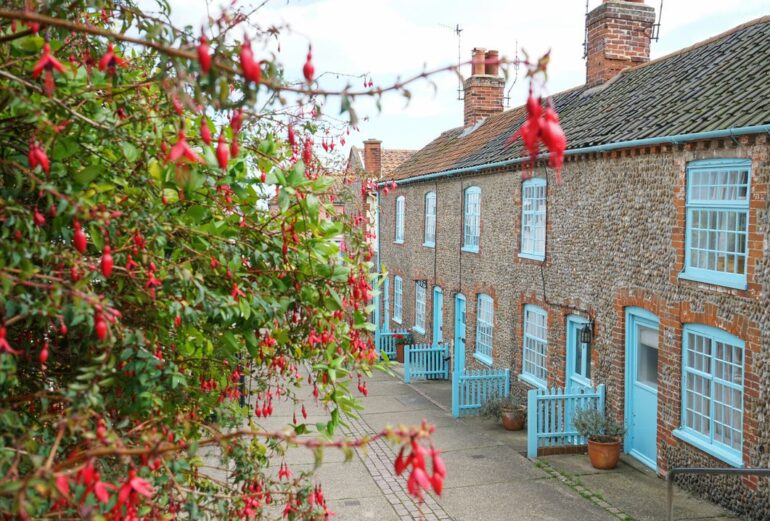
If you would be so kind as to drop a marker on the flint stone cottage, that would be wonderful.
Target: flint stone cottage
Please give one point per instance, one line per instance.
(657, 239)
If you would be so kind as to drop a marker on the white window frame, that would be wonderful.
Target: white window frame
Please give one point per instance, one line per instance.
(485, 324)
(717, 383)
(400, 214)
(398, 296)
(420, 303)
(429, 237)
(471, 219)
(534, 206)
(718, 200)
(534, 357)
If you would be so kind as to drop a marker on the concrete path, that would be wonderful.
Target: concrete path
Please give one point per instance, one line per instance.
(489, 478)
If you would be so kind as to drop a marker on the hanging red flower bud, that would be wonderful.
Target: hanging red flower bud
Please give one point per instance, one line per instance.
(307, 151)
(308, 70)
(177, 321)
(37, 157)
(204, 54)
(178, 107)
(44, 354)
(5, 347)
(79, 238)
(110, 61)
(39, 218)
(251, 69)
(236, 121)
(47, 63)
(234, 147)
(182, 149)
(205, 131)
(554, 139)
(100, 326)
(107, 262)
(292, 137)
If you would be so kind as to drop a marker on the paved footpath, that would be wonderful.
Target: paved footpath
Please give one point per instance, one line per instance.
(488, 477)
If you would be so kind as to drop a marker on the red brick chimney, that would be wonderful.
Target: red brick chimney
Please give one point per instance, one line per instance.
(373, 157)
(618, 34)
(484, 88)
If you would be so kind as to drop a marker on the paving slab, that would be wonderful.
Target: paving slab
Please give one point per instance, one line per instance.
(362, 509)
(487, 465)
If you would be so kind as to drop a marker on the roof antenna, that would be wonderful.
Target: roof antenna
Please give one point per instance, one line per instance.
(515, 76)
(656, 27)
(457, 30)
(585, 35)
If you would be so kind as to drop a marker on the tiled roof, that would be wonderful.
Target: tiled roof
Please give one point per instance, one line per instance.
(721, 83)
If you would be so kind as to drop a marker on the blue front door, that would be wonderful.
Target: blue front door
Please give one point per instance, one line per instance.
(578, 356)
(438, 315)
(642, 385)
(459, 365)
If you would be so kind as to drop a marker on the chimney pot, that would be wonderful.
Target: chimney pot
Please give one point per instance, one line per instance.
(492, 63)
(477, 63)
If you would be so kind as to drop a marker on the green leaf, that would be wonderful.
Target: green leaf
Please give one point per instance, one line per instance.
(88, 174)
(130, 152)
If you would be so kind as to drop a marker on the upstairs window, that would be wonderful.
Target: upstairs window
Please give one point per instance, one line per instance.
(398, 295)
(535, 350)
(430, 220)
(420, 290)
(716, 249)
(472, 219)
(712, 391)
(400, 205)
(533, 206)
(484, 325)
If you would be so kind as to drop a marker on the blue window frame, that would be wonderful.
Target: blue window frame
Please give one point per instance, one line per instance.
(534, 367)
(430, 220)
(484, 326)
(471, 219)
(716, 249)
(533, 218)
(712, 392)
(420, 298)
(398, 295)
(400, 209)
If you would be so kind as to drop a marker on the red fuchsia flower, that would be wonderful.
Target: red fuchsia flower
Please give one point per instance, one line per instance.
(37, 157)
(307, 151)
(130, 264)
(237, 292)
(38, 218)
(5, 347)
(222, 153)
(204, 54)
(205, 131)
(79, 238)
(251, 69)
(100, 326)
(110, 61)
(554, 139)
(182, 149)
(236, 121)
(234, 149)
(107, 262)
(292, 136)
(178, 107)
(284, 472)
(47, 63)
(308, 70)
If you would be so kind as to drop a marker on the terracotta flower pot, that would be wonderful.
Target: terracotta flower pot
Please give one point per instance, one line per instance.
(513, 419)
(400, 353)
(604, 455)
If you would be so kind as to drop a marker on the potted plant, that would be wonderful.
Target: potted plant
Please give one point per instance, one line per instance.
(511, 411)
(604, 436)
(402, 339)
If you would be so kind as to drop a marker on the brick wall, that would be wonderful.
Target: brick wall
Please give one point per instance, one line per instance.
(618, 36)
(615, 239)
(483, 97)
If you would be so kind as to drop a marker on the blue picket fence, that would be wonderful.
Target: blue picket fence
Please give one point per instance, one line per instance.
(550, 413)
(470, 389)
(426, 361)
(386, 342)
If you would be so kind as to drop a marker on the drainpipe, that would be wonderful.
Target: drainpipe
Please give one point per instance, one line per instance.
(378, 300)
(663, 140)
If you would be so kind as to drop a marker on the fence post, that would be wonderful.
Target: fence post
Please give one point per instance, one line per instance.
(507, 391)
(601, 390)
(406, 364)
(455, 394)
(532, 423)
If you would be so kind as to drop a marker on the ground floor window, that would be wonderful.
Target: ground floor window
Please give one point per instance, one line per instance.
(535, 348)
(420, 290)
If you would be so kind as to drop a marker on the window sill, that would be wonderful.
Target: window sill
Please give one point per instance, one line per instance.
(470, 249)
(532, 256)
(531, 380)
(715, 279)
(484, 359)
(418, 330)
(398, 242)
(397, 320)
(429, 244)
(725, 455)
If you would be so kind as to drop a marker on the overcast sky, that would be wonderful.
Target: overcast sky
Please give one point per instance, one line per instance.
(392, 38)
